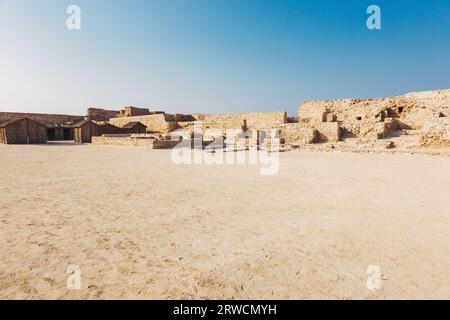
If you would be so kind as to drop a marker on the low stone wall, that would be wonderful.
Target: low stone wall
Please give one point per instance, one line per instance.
(128, 141)
(295, 133)
(164, 144)
(431, 140)
(328, 131)
(206, 128)
(378, 130)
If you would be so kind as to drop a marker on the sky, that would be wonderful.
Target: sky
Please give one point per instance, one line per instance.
(217, 56)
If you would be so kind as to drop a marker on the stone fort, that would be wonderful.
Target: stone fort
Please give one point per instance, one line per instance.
(419, 119)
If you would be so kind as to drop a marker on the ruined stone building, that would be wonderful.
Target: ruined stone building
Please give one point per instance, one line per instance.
(418, 119)
(84, 131)
(58, 127)
(22, 131)
(134, 127)
(421, 115)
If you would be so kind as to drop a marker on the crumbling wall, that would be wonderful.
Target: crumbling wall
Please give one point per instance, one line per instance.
(23, 131)
(370, 119)
(154, 123)
(260, 120)
(295, 133)
(134, 112)
(356, 116)
(122, 141)
(328, 131)
(422, 107)
(194, 126)
(130, 141)
(98, 114)
(436, 133)
(42, 118)
(180, 117)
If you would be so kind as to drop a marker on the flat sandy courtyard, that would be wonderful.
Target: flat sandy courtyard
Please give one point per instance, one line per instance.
(141, 227)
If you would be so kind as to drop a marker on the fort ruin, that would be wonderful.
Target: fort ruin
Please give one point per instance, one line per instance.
(414, 121)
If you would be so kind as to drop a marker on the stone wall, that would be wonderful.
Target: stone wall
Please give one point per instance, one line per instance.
(362, 117)
(154, 123)
(42, 118)
(98, 114)
(260, 120)
(328, 131)
(129, 141)
(295, 133)
(134, 112)
(24, 131)
(436, 133)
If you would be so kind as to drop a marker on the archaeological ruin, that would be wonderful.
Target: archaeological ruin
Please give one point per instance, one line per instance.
(414, 121)
(22, 131)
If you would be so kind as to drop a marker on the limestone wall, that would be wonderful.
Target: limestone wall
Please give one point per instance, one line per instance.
(356, 117)
(42, 118)
(436, 133)
(154, 123)
(134, 112)
(99, 114)
(259, 120)
(129, 141)
(166, 123)
(295, 133)
(328, 131)
(362, 117)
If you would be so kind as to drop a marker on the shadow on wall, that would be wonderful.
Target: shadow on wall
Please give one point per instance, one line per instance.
(62, 143)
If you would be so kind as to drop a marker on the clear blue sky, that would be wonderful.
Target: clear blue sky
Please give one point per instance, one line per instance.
(215, 56)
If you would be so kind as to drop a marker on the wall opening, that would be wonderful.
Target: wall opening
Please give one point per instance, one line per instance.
(391, 113)
(68, 134)
(359, 118)
(51, 134)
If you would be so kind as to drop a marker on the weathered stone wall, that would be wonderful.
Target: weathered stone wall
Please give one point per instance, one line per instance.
(328, 131)
(295, 133)
(98, 114)
(134, 112)
(423, 107)
(362, 117)
(24, 131)
(190, 126)
(42, 118)
(260, 120)
(356, 117)
(129, 141)
(436, 133)
(122, 141)
(154, 123)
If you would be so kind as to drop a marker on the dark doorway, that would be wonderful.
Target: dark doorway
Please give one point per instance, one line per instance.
(51, 134)
(68, 134)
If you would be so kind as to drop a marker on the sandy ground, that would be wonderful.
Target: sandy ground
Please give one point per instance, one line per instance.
(140, 227)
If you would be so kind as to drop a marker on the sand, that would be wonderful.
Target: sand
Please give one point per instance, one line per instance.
(141, 227)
